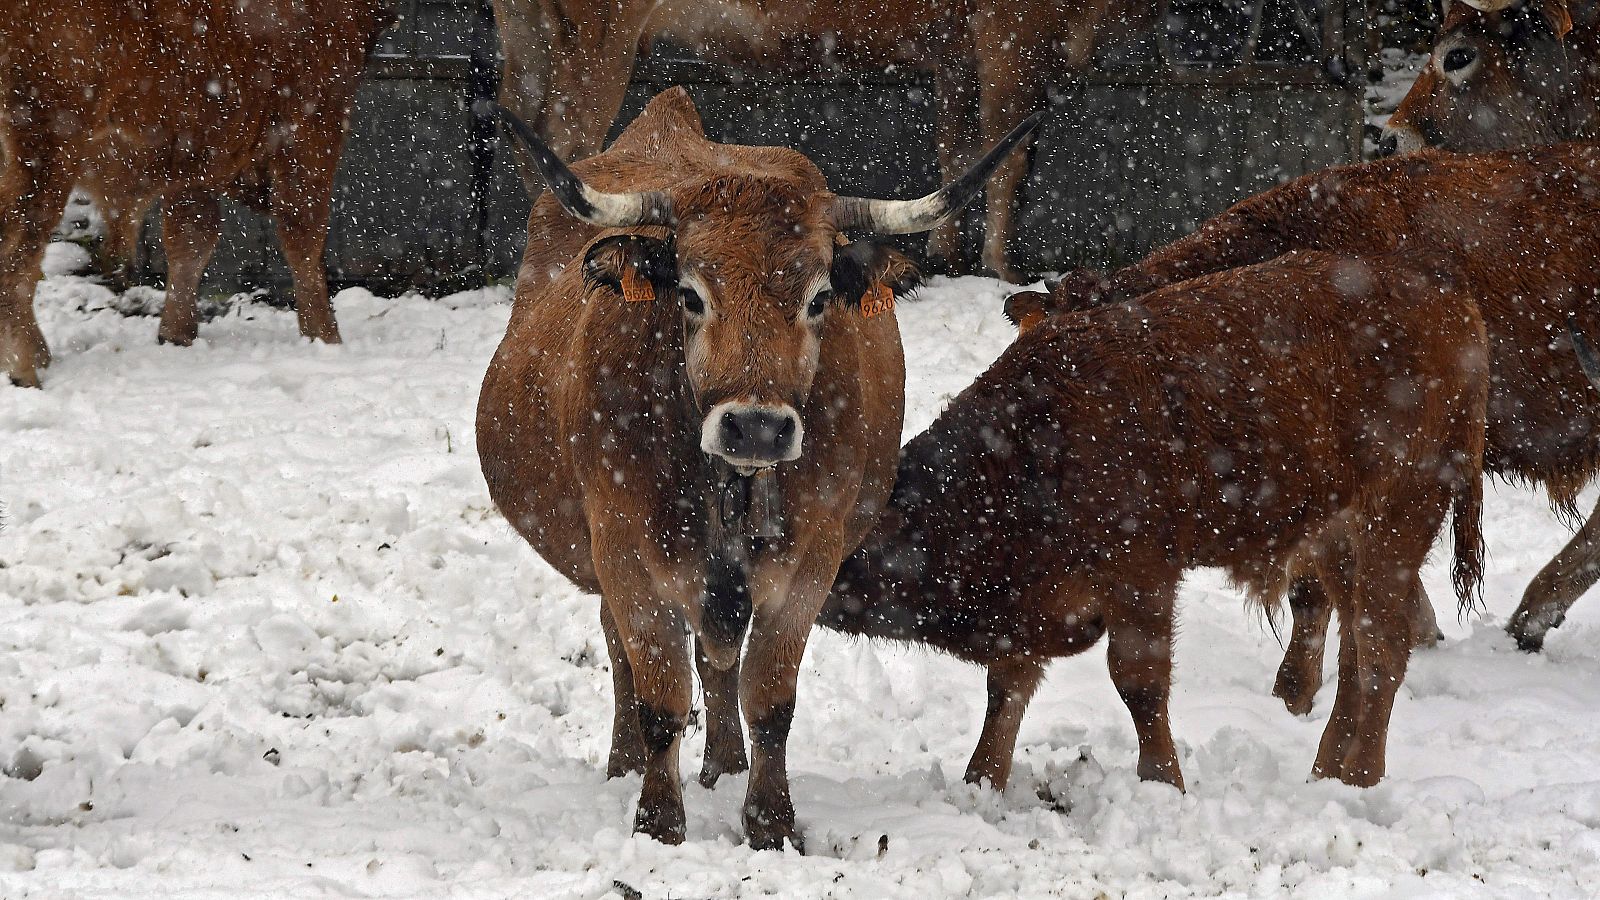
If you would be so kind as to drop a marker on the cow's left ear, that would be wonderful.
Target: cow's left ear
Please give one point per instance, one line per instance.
(1027, 310)
(860, 267)
(1528, 22)
(638, 268)
(1559, 17)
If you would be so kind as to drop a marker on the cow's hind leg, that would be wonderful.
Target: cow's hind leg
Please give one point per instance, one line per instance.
(302, 191)
(957, 124)
(724, 729)
(1300, 674)
(627, 748)
(1012, 683)
(34, 183)
(1337, 575)
(189, 231)
(1008, 93)
(1139, 625)
(1557, 586)
(1380, 613)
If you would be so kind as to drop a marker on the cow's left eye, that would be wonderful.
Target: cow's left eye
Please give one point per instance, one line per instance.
(819, 303)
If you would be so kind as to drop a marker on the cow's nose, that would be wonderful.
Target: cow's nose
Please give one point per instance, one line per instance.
(1459, 58)
(752, 436)
(1388, 144)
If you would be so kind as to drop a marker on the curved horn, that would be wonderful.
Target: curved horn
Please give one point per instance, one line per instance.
(584, 203)
(911, 216)
(1581, 348)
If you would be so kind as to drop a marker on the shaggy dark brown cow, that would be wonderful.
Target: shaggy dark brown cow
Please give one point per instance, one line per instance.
(183, 101)
(1311, 413)
(1519, 227)
(567, 64)
(710, 349)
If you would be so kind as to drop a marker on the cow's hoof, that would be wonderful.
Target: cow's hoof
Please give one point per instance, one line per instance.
(1428, 639)
(326, 333)
(1528, 640)
(23, 353)
(1296, 693)
(665, 824)
(1529, 631)
(177, 335)
(718, 764)
(769, 829)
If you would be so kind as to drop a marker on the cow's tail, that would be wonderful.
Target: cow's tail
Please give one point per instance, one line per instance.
(1466, 514)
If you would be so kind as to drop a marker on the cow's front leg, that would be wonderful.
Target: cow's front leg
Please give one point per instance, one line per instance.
(1139, 626)
(627, 749)
(653, 634)
(767, 688)
(777, 645)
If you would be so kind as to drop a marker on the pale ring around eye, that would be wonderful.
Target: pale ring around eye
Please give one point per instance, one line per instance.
(819, 303)
(692, 303)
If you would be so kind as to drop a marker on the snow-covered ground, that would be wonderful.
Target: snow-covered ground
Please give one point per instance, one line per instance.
(261, 634)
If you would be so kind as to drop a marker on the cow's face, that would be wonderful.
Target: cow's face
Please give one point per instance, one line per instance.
(756, 270)
(756, 264)
(1496, 79)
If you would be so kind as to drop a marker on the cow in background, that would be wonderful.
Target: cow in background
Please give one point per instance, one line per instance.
(1504, 73)
(182, 102)
(1519, 227)
(695, 414)
(1311, 413)
(567, 65)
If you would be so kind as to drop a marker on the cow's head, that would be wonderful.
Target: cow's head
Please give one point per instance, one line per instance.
(757, 263)
(1499, 77)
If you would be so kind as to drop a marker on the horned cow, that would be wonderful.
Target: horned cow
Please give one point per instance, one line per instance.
(1311, 413)
(697, 417)
(183, 101)
(567, 64)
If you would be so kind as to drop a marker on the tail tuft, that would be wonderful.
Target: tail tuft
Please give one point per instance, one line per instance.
(1466, 512)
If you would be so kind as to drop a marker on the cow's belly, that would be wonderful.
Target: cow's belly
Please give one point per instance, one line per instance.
(1543, 418)
(530, 478)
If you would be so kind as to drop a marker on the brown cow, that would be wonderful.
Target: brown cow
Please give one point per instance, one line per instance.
(182, 101)
(1310, 413)
(567, 64)
(1504, 73)
(711, 347)
(1519, 226)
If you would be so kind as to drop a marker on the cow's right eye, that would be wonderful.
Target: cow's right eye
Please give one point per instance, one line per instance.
(692, 304)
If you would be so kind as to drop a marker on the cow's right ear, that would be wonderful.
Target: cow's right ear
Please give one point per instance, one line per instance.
(638, 268)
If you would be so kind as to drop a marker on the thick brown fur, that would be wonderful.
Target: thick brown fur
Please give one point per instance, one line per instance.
(567, 64)
(1519, 77)
(180, 101)
(589, 426)
(1310, 413)
(1518, 227)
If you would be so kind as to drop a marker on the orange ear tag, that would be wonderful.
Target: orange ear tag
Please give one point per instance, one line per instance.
(878, 300)
(635, 287)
